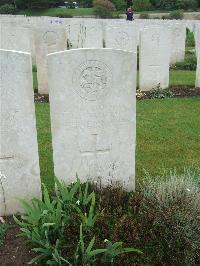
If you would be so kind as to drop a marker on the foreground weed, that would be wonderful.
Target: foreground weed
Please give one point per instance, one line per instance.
(47, 224)
(3, 230)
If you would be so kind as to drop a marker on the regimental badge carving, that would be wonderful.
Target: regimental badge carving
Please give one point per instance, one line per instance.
(50, 38)
(92, 80)
(122, 40)
(156, 38)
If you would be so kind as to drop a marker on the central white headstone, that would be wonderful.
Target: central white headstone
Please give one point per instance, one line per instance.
(19, 162)
(93, 116)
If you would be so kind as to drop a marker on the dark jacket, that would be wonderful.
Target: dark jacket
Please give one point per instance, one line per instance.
(129, 15)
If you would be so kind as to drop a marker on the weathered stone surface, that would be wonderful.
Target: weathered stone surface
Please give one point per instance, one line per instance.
(122, 36)
(84, 34)
(47, 40)
(154, 58)
(178, 38)
(93, 115)
(15, 38)
(18, 138)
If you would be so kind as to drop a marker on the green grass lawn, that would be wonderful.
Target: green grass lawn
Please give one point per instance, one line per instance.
(53, 12)
(35, 82)
(182, 77)
(168, 137)
(44, 142)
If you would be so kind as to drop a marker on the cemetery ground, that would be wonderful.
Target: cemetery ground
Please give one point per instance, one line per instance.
(159, 219)
(167, 139)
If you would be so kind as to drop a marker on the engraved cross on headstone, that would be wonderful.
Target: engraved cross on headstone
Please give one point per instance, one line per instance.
(95, 151)
(6, 158)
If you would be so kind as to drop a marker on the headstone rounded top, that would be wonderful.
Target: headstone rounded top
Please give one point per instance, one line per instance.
(50, 37)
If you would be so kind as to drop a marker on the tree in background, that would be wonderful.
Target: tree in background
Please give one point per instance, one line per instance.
(4, 2)
(103, 8)
(175, 4)
(141, 5)
(32, 4)
(84, 3)
(119, 4)
(55, 3)
(129, 3)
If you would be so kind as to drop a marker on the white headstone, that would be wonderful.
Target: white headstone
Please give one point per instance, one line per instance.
(47, 40)
(84, 34)
(178, 38)
(18, 138)
(154, 58)
(15, 38)
(93, 115)
(122, 36)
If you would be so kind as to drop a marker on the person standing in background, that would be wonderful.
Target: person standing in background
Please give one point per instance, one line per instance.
(129, 14)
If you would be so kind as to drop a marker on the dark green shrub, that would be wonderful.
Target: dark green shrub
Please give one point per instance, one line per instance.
(3, 229)
(7, 9)
(169, 217)
(103, 8)
(34, 68)
(142, 5)
(190, 40)
(174, 4)
(144, 16)
(119, 4)
(159, 93)
(162, 218)
(190, 4)
(32, 4)
(63, 15)
(190, 63)
(176, 14)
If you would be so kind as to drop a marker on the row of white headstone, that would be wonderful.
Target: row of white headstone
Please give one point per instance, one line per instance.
(93, 119)
(160, 42)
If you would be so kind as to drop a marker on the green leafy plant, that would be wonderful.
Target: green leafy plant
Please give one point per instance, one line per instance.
(86, 255)
(159, 93)
(60, 225)
(190, 40)
(3, 230)
(116, 249)
(190, 63)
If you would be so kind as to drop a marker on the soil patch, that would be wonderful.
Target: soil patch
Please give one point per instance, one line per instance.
(41, 98)
(179, 92)
(15, 250)
(185, 91)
